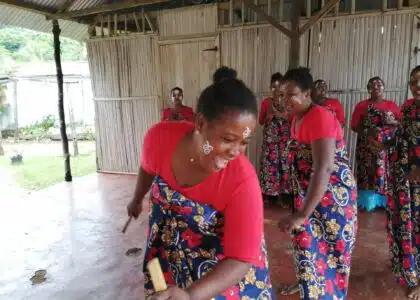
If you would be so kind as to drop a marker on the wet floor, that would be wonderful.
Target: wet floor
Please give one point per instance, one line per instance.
(73, 231)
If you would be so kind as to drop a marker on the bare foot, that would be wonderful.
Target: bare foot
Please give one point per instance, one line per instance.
(414, 293)
(288, 289)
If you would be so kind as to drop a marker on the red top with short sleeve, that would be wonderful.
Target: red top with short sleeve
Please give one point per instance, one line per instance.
(337, 108)
(187, 113)
(361, 110)
(233, 191)
(408, 102)
(318, 123)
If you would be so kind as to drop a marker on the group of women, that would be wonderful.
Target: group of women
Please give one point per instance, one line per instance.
(206, 217)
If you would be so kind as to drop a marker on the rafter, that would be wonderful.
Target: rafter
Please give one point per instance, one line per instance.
(66, 6)
(265, 17)
(106, 8)
(315, 18)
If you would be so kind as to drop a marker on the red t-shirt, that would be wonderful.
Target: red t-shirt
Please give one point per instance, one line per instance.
(408, 102)
(361, 110)
(318, 123)
(234, 191)
(337, 108)
(186, 112)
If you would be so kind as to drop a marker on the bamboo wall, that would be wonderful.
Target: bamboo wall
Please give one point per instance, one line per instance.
(132, 75)
(126, 98)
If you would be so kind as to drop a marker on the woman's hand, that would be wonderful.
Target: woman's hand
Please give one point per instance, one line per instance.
(291, 222)
(172, 293)
(134, 208)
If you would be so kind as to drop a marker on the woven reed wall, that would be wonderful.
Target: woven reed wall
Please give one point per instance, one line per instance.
(132, 76)
(125, 89)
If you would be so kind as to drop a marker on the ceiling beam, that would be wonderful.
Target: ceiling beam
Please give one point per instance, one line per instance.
(267, 18)
(66, 5)
(320, 14)
(28, 7)
(106, 8)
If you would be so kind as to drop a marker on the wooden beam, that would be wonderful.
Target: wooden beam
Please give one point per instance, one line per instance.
(28, 7)
(66, 5)
(106, 8)
(269, 19)
(62, 118)
(294, 54)
(315, 18)
(149, 22)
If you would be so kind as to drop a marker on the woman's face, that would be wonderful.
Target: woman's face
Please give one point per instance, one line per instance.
(296, 100)
(275, 88)
(228, 137)
(376, 89)
(320, 90)
(415, 85)
(176, 97)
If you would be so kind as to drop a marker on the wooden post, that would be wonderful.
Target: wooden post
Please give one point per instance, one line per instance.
(294, 55)
(57, 57)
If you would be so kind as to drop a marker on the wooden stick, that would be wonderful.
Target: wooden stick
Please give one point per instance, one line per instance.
(126, 224)
(156, 274)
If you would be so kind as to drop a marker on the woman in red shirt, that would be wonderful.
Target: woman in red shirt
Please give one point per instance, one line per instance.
(178, 111)
(371, 117)
(334, 105)
(404, 204)
(324, 226)
(203, 192)
(274, 166)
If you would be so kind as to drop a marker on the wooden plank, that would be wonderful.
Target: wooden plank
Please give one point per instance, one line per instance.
(136, 21)
(353, 6)
(294, 54)
(384, 5)
(66, 5)
(268, 18)
(104, 8)
(231, 12)
(400, 4)
(143, 21)
(308, 8)
(315, 18)
(152, 28)
(281, 10)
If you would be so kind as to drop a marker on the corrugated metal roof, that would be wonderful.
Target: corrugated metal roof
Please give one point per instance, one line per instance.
(83, 4)
(22, 18)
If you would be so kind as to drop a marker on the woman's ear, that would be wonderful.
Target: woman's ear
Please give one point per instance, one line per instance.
(199, 122)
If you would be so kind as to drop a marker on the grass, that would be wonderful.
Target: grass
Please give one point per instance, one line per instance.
(36, 173)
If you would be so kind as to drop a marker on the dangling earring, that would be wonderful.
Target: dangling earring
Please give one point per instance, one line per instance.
(207, 148)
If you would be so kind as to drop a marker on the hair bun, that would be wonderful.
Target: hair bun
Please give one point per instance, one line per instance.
(224, 73)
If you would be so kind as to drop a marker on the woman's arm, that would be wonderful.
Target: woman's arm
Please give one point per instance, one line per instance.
(225, 274)
(144, 182)
(323, 153)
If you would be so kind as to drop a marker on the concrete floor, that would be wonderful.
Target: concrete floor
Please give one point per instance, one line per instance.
(73, 231)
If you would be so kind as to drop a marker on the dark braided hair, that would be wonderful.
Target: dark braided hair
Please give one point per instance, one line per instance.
(227, 93)
(301, 76)
(276, 77)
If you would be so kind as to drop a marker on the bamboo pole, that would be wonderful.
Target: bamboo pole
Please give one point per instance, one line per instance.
(15, 103)
(57, 57)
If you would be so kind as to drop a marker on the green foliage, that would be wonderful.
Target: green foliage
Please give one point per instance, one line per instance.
(23, 45)
(39, 129)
